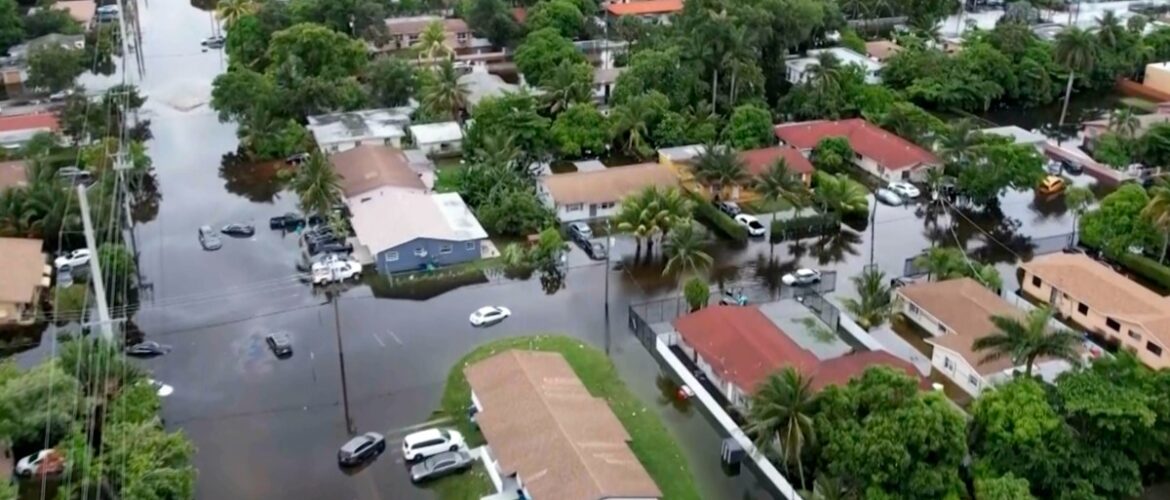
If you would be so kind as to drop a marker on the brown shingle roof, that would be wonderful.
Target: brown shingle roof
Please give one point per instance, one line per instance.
(368, 167)
(541, 422)
(888, 150)
(965, 307)
(13, 174)
(416, 25)
(1104, 290)
(608, 185)
(22, 265)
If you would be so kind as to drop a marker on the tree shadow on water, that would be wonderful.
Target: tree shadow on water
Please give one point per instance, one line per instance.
(258, 182)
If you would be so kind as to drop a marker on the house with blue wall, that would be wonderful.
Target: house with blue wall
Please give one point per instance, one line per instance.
(411, 230)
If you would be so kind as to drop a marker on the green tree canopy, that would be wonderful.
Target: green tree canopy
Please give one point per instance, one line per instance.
(1117, 223)
(541, 52)
(750, 127)
(311, 50)
(580, 130)
(53, 68)
(560, 15)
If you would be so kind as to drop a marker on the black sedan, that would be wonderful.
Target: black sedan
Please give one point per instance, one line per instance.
(594, 250)
(146, 349)
(288, 222)
(238, 230)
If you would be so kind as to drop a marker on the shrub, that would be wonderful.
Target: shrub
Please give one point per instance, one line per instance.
(1147, 268)
(719, 222)
(697, 293)
(804, 227)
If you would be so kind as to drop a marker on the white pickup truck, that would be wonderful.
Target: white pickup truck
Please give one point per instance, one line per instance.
(335, 270)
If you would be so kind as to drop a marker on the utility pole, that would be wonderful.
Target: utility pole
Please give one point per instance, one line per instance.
(608, 252)
(95, 268)
(333, 297)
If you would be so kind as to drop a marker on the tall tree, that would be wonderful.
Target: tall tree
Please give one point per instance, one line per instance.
(569, 83)
(11, 29)
(1157, 211)
(631, 122)
(542, 52)
(391, 81)
(875, 298)
(1123, 122)
(781, 414)
(684, 246)
(432, 43)
(1078, 199)
(1024, 340)
(580, 130)
(54, 68)
(1076, 52)
(780, 183)
(840, 194)
(317, 185)
(442, 92)
(560, 15)
(720, 168)
(750, 127)
(231, 11)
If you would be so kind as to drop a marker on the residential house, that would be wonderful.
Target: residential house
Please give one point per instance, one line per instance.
(24, 276)
(21, 52)
(680, 155)
(481, 85)
(881, 50)
(406, 31)
(957, 313)
(579, 196)
(655, 11)
(738, 347)
(758, 162)
(366, 170)
(410, 230)
(13, 174)
(82, 11)
(798, 67)
(16, 130)
(1157, 77)
(547, 433)
(1104, 302)
(876, 151)
(1093, 129)
(443, 138)
(336, 132)
(603, 81)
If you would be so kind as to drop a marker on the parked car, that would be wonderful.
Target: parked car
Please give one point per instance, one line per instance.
(1053, 167)
(279, 343)
(440, 465)
(75, 175)
(42, 463)
(888, 197)
(74, 259)
(235, 229)
(580, 231)
(361, 449)
(431, 442)
(728, 207)
(733, 298)
(1073, 168)
(148, 348)
(488, 315)
(332, 246)
(213, 42)
(209, 239)
(904, 190)
(288, 222)
(595, 250)
(751, 223)
(336, 270)
(802, 277)
(297, 159)
(306, 265)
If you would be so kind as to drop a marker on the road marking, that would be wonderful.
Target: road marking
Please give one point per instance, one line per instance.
(311, 355)
(378, 339)
(395, 337)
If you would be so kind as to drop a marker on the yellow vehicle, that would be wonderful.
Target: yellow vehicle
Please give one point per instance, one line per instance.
(1050, 185)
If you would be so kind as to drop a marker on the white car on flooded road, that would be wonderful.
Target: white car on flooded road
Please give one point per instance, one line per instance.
(751, 223)
(335, 270)
(489, 315)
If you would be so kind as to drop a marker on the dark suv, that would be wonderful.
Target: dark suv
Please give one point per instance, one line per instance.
(280, 344)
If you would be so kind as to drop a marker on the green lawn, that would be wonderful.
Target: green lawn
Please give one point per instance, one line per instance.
(651, 442)
(445, 180)
(763, 206)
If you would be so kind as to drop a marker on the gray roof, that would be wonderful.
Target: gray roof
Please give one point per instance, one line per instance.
(396, 216)
(1017, 134)
(381, 123)
(481, 85)
(431, 133)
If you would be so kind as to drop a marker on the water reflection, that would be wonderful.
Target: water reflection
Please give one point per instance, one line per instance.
(420, 288)
(144, 197)
(833, 248)
(258, 182)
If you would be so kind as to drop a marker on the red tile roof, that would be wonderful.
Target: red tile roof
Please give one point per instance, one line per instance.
(642, 7)
(743, 346)
(758, 161)
(27, 122)
(888, 150)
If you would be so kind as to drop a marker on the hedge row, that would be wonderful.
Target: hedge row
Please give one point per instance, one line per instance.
(719, 222)
(1147, 268)
(804, 227)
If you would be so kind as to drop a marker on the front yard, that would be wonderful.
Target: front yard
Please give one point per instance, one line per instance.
(650, 441)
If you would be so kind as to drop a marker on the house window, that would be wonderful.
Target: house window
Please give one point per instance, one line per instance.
(973, 380)
(1083, 309)
(573, 207)
(948, 364)
(391, 256)
(1036, 282)
(471, 245)
(1134, 335)
(420, 252)
(1111, 323)
(942, 328)
(1157, 350)
(914, 309)
(444, 249)
(608, 204)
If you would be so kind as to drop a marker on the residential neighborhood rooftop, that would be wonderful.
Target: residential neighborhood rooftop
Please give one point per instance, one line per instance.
(81, 11)
(1017, 134)
(682, 153)
(416, 24)
(13, 174)
(607, 185)
(367, 167)
(889, 150)
(481, 85)
(1104, 290)
(758, 161)
(35, 121)
(357, 125)
(881, 49)
(540, 421)
(643, 7)
(22, 268)
(607, 75)
(391, 217)
(436, 132)
(845, 55)
(965, 307)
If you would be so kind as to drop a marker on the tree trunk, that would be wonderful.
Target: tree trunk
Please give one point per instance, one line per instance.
(1028, 366)
(734, 74)
(1067, 94)
(715, 90)
(1165, 242)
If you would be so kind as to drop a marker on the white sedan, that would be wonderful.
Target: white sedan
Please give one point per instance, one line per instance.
(905, 190)
(76, 258)
(802, 277)
(752, 224)
(489, 315)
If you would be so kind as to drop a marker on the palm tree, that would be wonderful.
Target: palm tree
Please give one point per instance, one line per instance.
(875, 302)
(1123, 122)
(432, 42)
(568, 84)
(941, 263)
(958, 141)
(1076, 52)
(631, 121)
(840, 194)
(1078, 199)
(317, 185)
(230, 11)
(1157, 211)
(639, 215)
(988, 276)
(442, 93)
(1109, 30)
(780, 183)
(1024, 340)
(685, 247)
(719, 167)
(780, 413)
(825, 76)
(673, 208)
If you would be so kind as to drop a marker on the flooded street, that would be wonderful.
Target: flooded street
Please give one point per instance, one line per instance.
(268, 428)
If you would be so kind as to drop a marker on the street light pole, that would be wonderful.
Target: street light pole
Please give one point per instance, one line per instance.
(608, 252)
(333, 297)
